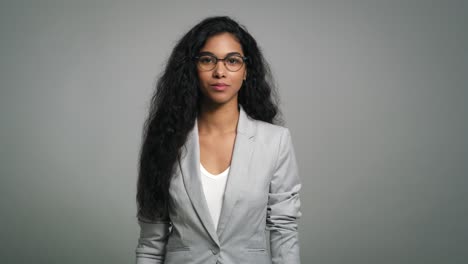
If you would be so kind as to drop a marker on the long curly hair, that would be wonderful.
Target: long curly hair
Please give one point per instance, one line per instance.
(176, 103)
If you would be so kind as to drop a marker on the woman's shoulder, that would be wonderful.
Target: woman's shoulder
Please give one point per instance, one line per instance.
(262, 130)
(268, 131)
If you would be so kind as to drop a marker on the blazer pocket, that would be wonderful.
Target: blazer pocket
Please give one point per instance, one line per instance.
(178, 255)
(259, 250)
(176, 249)
(256, 256)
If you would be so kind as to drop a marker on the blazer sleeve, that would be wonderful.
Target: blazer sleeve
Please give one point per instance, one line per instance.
(151, 247)
(283, 208)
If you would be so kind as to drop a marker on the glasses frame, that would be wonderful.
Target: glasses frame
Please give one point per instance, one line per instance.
(216, 59)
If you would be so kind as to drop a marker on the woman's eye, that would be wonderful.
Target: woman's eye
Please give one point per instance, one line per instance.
(206, 60)
(233, 61)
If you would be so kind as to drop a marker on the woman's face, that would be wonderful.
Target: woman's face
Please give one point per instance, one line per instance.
(220, 85)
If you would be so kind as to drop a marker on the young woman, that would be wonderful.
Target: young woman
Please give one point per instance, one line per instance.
(217, 174)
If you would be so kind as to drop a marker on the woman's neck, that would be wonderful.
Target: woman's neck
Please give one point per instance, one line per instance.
(218, 120)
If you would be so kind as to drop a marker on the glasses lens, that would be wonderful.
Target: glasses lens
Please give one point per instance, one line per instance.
(234, 63)
(206, 62)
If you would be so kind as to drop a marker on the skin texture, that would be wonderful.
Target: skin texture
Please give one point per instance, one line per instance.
(218, 119)
(220, 45)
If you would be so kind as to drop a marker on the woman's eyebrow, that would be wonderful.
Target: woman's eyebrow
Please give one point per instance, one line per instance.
(210, 53)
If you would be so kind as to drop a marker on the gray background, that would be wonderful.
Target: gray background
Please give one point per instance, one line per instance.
(374, 93)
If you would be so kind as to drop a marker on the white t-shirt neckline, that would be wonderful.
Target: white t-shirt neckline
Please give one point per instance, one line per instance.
(214, 176)
(213, 188)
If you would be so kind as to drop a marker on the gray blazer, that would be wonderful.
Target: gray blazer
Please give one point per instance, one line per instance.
(262, 195)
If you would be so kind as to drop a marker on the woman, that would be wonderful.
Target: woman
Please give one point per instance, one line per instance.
(216, 174)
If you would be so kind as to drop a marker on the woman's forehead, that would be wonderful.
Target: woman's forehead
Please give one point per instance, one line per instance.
(222, 44)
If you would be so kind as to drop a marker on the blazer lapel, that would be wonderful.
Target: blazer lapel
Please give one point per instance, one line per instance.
(190, 168)
(237, 178)
(238, 173)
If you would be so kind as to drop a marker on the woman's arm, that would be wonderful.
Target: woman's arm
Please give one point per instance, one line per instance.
(152, 242)
(284, 205)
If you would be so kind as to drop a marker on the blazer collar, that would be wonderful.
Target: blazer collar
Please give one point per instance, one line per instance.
(237, 178)
(245, 125)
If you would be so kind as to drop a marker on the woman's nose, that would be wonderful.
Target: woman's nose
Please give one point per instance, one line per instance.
(220, 69)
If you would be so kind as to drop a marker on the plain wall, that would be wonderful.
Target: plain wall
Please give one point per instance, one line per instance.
(374, 93)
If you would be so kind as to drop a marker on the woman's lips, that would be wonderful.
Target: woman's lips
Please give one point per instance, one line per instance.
(220, 87)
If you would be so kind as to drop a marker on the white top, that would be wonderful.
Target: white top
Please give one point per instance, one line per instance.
(213, 187)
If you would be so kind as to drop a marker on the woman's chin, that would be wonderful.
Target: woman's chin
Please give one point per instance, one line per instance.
(217, 100)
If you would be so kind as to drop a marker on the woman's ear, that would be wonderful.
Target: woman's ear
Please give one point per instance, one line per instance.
(245, 75)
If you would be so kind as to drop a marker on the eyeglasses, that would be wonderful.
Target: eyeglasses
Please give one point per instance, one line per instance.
(232, 62)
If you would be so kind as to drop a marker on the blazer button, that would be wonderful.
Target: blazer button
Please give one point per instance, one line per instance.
(215, 251)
